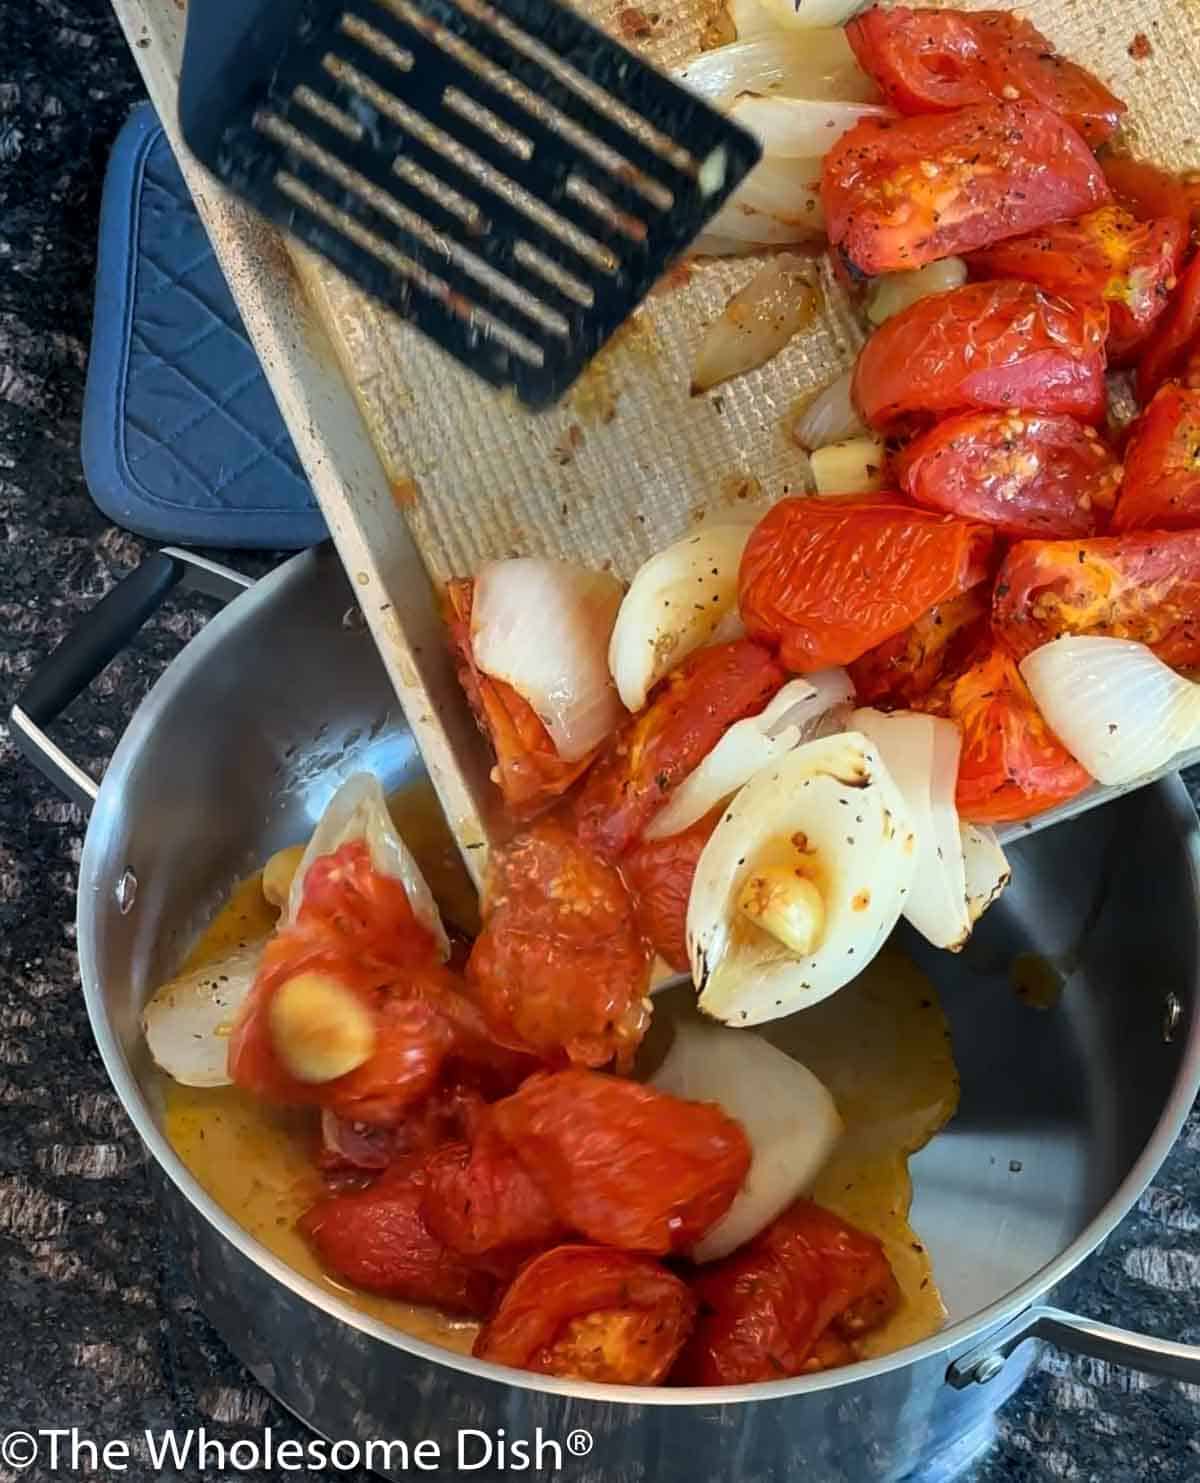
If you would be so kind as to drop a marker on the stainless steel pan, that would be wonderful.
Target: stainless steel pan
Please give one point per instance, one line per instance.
(1065, 1115)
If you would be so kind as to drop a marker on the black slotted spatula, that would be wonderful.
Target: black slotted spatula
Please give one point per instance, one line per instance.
(500, 172)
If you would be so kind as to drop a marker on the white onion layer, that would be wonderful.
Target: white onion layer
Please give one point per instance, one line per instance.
(711, 244)
(987, 868)
(785, 188)
(359, 811)
(789, 1117)
(800, 128)
(543, 627)
(188, 1021)
(779, 203)
(1116, 707)
(674, 605)
(819, 64)
(830, 814)
(921, 753)
(802, 710)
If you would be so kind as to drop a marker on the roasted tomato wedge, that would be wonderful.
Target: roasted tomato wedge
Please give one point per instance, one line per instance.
(529, 772)
(1011, 766)
(585, 1313)
(902, 669)
(376, 1239)
(935, 61)
(1149, 192)
(788, 1303)
(829, 579)
(419, 1020)
(356, 936)
(480, 1199)
(1107, 258)
(624, 1164)
(1026, 474)
(659, 873)
(561, 965)
(350, 906)
(901, 194)
(1144, 586)
(1175, 336)
(687, 714)
(1001, 346)
(1161, 490)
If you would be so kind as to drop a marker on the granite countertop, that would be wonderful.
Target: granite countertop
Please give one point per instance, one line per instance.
(99, 1328)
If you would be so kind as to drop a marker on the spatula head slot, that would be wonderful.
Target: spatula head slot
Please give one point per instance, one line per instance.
(503, 174)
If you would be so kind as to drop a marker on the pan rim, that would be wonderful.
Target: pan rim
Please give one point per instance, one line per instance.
(960, 1335)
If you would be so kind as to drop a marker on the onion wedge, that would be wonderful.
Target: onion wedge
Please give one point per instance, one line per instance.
(757, 323)
(779, 203)
(1116, 707)
(802, 710)
(744, 229)
(800, 883)
(921, 753)
(800, 128)
(818, 64)
(787, 1114)
(987, 869)
(675, 604)
(188, 1021)
(543, 627)
(786, 189)
(358, 811)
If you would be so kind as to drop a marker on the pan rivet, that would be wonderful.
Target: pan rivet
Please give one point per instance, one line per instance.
(1172, 1014)
(988, 1368)
(126, 892)
(353, 619)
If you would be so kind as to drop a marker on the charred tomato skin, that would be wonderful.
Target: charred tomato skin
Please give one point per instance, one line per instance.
(826, 580)
(1026, 474)
(590, 1313)
(936, 61)
(900, 193)
(1002, 346)
(1141, 585)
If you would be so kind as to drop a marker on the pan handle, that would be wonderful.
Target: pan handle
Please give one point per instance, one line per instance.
(1077, 1335)
(100, 638)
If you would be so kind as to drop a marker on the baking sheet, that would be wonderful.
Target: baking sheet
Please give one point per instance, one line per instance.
(423, 472)
(630, 460)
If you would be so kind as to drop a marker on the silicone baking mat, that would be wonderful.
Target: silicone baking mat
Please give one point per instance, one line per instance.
(630, 460)
(421, 472)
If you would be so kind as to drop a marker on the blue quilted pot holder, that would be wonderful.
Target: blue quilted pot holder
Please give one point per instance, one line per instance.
(182, 440)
